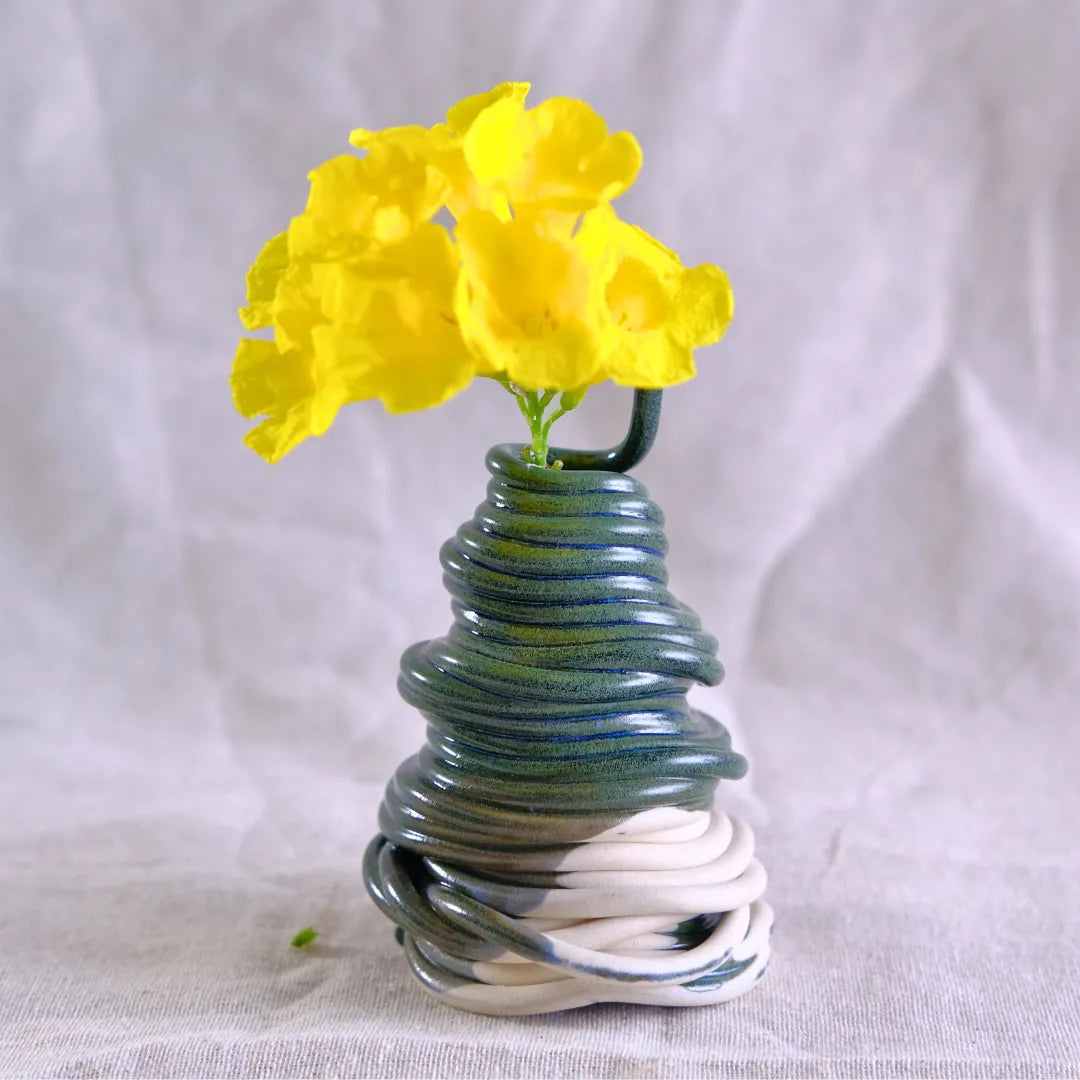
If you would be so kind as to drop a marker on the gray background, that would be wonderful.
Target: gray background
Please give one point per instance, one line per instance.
(872, 492)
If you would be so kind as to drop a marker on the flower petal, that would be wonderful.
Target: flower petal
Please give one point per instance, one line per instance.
(442, 152)
(338, 205)
(577, 162)
(413, 138)
(393, 334)
(355, 202)
(525, 303)
(460, 117)
(298, 303)
(704, 305)
(276, 436)
(657, 311)
(265, 380)
(497, 147)
(262, 282)
(406, 371)
(653, 360)
(556, 157)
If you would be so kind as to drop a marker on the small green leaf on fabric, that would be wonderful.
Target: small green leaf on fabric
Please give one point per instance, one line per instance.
(305, 937)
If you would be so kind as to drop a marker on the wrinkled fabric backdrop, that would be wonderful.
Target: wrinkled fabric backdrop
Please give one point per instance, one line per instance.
(872, 491)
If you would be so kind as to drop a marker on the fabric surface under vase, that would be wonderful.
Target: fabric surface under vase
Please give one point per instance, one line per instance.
(556, 842)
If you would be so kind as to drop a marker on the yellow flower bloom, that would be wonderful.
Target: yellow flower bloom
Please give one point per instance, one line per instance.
(285, 387)
(656, 310)
(440, 147)
(367, 298)
(284, 380)
(525, 302)
(557, 156)
(392, 326)
(354, 202)
(380, 325)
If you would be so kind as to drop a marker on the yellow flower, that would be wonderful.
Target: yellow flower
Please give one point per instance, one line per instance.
(392, 324)
(287, 389)
(555, 312)
(556, 157)
(525, 302)
(440, 147)
(355, 202)
(284, 380)
(379, 325)
(542, 285)
(656, 310)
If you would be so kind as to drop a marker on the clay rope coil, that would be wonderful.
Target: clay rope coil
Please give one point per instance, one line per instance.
(555, 843)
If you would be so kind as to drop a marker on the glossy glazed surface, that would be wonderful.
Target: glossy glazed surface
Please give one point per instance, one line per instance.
(565, 776)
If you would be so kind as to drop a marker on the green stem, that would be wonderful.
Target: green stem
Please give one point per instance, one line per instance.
(523, 406)
(552, 418)
(533, 404)
(538, 404)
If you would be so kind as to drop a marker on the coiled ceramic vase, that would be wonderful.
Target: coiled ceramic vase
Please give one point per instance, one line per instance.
(556, 841)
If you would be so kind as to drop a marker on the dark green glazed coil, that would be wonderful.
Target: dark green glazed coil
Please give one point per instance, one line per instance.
(557, 702)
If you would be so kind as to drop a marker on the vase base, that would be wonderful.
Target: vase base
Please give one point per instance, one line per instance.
(674, 922)
(747, 964)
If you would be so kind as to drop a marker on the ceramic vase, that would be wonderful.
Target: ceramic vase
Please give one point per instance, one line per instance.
(556, 842)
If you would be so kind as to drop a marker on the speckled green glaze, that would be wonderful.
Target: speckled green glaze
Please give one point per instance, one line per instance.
(558, 729)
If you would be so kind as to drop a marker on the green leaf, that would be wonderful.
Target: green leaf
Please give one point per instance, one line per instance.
(305, 937)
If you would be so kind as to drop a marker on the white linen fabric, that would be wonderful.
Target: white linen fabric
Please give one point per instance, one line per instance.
(872, 491)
